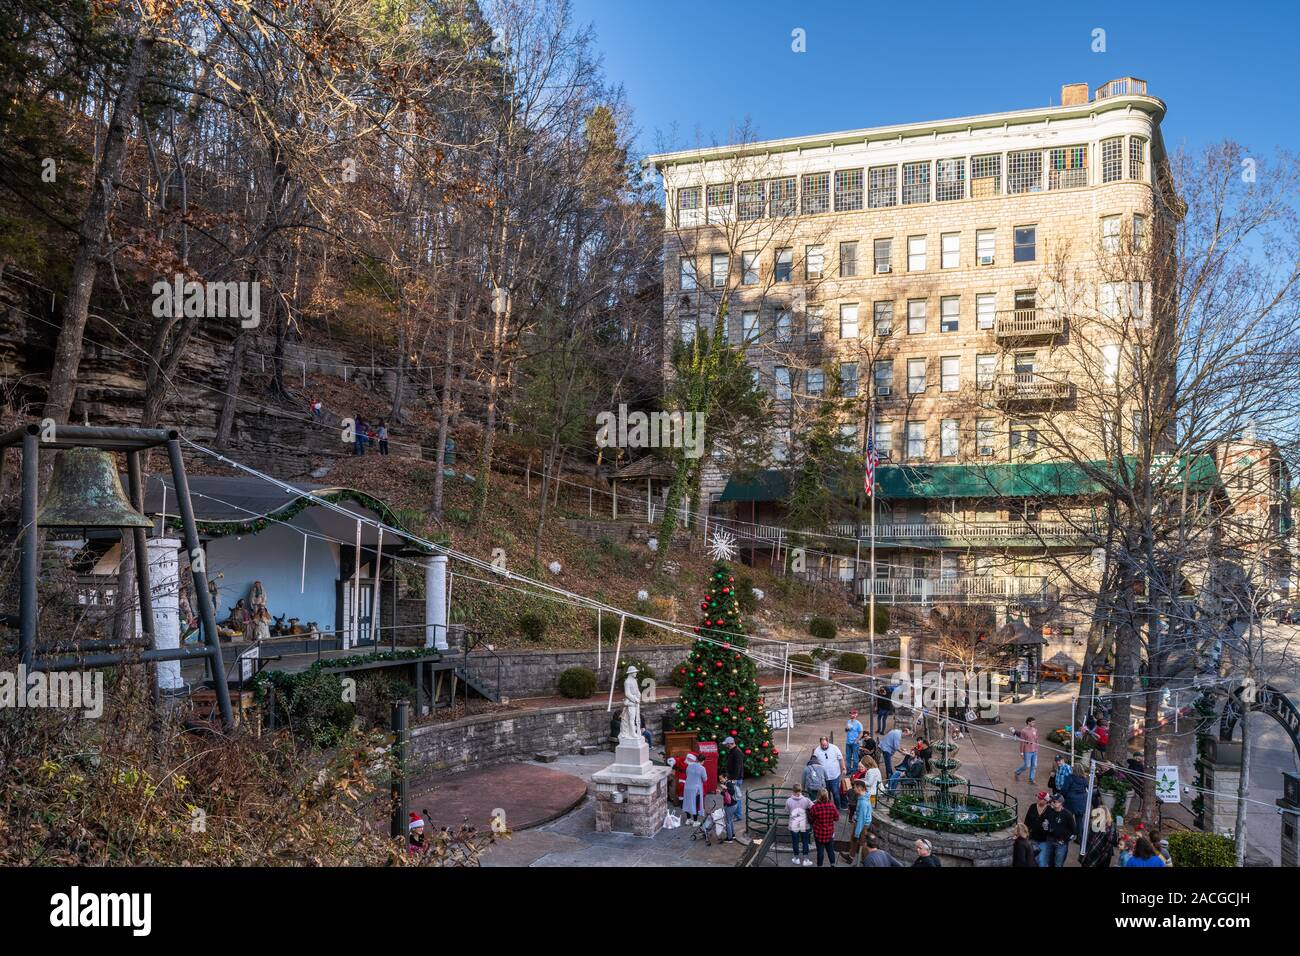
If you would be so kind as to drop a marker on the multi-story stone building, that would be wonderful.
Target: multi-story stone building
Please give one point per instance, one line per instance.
(954, 277)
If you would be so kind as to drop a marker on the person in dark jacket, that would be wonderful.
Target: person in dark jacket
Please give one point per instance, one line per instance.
(1034, 824)
(1075, 792)
(1057, 827)
(925, 854)
(875, 856)
(1023, 852)
(735, 769)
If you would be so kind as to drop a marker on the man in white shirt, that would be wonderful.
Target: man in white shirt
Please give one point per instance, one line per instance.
(832, 764)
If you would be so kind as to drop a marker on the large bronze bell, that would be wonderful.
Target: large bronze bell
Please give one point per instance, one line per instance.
(86, 492)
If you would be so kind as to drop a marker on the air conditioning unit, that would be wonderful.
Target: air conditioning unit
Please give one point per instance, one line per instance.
(884, 332)
(884, 270)
(986, 260)
(985, 383)
(884, 391)
(986, 451)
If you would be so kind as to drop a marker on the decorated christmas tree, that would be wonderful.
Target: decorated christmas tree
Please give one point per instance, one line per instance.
(720, 694)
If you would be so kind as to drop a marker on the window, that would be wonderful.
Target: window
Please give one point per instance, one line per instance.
(718, 198)
(782, 197)
(1135, 431)
(916, 183)
(814, 261)
(985, 310)
(1112, 160)
(883, 317)
(816, 191)
(1137, 158)
(1067, 167)
(948, 438)
(848, 259)
(849, 380)
(986, 370)
(950, 373)
(916, 439)
(1024, 437)
(915, 253)
(1026, 299)
(883, 374)
(1139, 232)
(1110, 226)
(748, 327)
(985, 246)
(848, 438)
(949, 313)
(1025, 171)
(883, 254)
(915, 316)
(915, 376)
(752, 199)
(985, 430)
(816, 381)
(686, 275)
(849, 320)
(784, 270)
(1026, 245)
(882, 187)
(1109, 295)
(950, 250)
(781, 374)
(688, 199)
(688, 329)
(720, 267)
(950, 179)
(949, 567)
(884, 439)
(784, 327)
(815, 322)
(1109, 363)
(1137, 299)
(749, 268)
(985, 176)
(781, 446)
(848, 190)
(1025, 362)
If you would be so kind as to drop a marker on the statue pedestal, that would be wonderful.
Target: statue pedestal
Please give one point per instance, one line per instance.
(631, 793)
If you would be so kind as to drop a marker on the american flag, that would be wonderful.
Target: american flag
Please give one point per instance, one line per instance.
(869, 479)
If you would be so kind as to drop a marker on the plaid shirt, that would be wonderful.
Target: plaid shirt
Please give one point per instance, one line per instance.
(823, 817)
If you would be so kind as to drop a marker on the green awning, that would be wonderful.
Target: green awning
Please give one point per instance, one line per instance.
(1003, 480)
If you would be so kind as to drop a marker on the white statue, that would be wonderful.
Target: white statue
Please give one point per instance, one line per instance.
(630, 726)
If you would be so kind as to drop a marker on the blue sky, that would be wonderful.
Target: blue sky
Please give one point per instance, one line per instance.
(1225, 70)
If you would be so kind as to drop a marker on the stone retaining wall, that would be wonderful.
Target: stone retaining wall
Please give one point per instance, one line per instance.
(954, 849)
(537, 673)
(474, 742)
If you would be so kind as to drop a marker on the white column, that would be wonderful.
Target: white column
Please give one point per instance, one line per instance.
(165, 579)
(435, 601)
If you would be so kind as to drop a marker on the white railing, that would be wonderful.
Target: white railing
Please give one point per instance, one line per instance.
(1030, 386)
(965, 530)
(960, 588)
(1124, 86)
(1013, 323)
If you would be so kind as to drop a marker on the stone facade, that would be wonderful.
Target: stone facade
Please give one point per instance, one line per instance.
(486, 739)
(633, 805)
(953, 849)
(1010, 301)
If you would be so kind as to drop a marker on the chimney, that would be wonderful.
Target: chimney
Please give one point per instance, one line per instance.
(1074, 94)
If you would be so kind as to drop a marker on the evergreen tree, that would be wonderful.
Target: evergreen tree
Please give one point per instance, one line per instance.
(721, 696)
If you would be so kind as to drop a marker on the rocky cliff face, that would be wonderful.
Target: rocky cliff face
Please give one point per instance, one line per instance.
(272, 434)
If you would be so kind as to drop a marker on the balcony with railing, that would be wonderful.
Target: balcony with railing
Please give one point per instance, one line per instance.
(959, 589)
(1034, 387)
(1124, 86)
(969, 533)
(1024, 325)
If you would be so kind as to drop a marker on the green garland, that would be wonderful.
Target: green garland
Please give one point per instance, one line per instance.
(222, 529)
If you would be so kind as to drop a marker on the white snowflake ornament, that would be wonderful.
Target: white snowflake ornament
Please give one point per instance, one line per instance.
(758, 594)
(554, 567)
(722, 546)
(643, 595)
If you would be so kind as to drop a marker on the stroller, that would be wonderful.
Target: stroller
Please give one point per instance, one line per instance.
(714, 827)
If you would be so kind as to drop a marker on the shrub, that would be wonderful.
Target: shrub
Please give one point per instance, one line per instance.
(376, 694)
(644, 671)
(577, 683)
(532, 626)
(882, 617)
(745, 594)
(822, 629)
(681, 673)
(310, 703)
(802, 663)
(1190, 848)
(853, 663)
